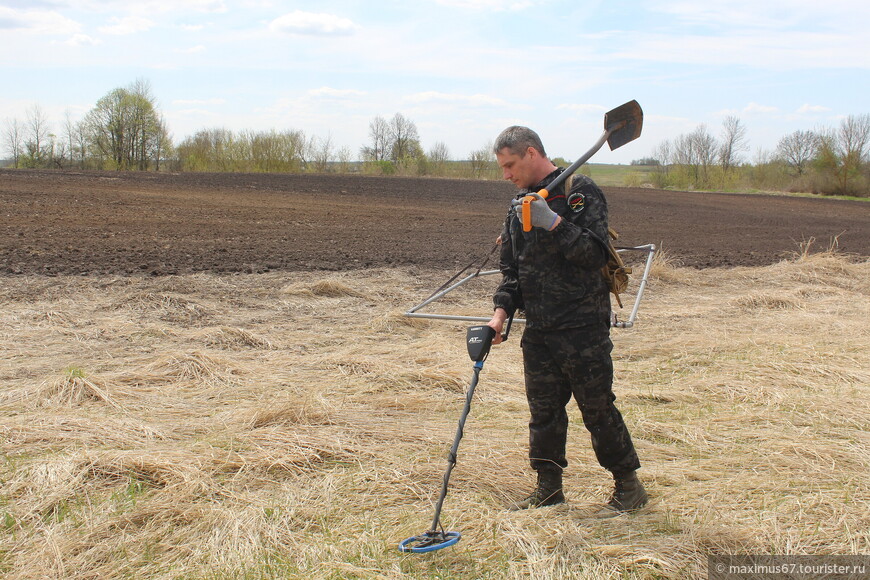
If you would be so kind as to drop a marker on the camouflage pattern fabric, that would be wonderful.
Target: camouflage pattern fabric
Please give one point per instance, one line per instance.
(559, 364)
(555, 277)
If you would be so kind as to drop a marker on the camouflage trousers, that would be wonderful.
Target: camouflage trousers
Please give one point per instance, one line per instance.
(562, 364)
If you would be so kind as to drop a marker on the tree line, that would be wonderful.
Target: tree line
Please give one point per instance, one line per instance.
(126, 131)
(829, 161)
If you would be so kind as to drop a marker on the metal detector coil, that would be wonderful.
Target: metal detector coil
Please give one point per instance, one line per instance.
(429, 542)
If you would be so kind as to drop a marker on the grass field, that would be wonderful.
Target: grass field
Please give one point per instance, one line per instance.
(607, 175)
(296, 426)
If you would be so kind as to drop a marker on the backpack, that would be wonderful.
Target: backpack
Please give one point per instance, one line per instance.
(615, 272)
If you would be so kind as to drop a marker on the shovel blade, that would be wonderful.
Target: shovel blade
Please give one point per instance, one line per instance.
(626, 122)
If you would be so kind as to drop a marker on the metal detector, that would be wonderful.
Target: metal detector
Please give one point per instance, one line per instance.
(621, 125)
(478, 340)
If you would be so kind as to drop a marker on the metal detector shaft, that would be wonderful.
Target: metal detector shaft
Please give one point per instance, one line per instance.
(451, 459)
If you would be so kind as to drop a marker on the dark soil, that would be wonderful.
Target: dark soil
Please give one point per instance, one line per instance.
(146, 223)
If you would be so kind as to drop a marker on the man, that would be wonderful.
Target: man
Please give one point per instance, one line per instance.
(553, 273)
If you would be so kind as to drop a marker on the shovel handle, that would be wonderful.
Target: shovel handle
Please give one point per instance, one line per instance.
(527, 209)
(622, 123)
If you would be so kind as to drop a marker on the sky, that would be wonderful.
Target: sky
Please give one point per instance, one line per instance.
(461, 70)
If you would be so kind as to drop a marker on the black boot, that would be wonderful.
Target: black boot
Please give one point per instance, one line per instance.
(628, 495)
(547, 492)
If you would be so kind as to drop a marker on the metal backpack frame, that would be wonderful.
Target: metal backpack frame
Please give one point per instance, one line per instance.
(649, 249)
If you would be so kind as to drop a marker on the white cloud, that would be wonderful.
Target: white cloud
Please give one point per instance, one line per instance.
(807, 109)
(181, 113)
(579, 108)
(330, 93)
(192, 50)
(769, 15)
(755, 108)
(127, 25)
(315, 24)
(778, 50)
(488, 5)
(198, 102)
(217, 6)
(37, 22)
(147, 6)
(82, 40)
(477, 100)
(746, 13)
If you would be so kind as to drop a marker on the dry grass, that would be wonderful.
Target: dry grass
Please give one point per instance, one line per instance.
(266, 426)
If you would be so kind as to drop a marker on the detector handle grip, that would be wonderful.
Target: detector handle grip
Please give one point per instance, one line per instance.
(527, 208)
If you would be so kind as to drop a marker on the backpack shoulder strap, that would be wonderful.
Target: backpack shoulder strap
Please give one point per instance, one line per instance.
(568, 183)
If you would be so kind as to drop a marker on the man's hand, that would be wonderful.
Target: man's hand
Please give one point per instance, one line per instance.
(497, 324)
(542, 215)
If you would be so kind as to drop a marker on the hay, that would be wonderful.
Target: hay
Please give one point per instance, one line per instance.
(250, 426)
(74, 388)
(233, 338)
(288, 415)
(192, 367)
(165, 306)
(324, 289)
(664, 268)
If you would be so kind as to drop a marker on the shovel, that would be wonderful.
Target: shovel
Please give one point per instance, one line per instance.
(621, 125)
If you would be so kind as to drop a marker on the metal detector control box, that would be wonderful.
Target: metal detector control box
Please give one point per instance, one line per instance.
(478, 339)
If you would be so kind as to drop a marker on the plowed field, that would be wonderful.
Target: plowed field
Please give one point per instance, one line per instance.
(143, 223)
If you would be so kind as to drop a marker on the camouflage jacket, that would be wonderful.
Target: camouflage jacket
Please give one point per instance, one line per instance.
(555, 277)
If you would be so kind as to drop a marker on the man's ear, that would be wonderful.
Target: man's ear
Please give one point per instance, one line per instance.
(532, 151)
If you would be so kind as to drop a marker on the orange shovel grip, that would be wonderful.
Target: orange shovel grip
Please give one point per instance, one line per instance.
(527, 209)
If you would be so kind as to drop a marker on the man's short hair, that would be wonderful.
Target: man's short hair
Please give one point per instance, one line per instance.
(518, 139)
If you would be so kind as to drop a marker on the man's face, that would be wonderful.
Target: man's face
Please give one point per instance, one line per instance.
(516, 169)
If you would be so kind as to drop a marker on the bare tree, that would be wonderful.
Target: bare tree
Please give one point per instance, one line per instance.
(75, 139)
(733, 143)
(439, 154)
(663, 153)
(482, 160)
(798, 149)
(37, 145)
(379, 140)
(343, 156)
(57, 151)
(162, 145)
(854, 137)
(705, 148)
(14, 137)
(843, 152)
(69, 135)
(695, 152)
(404, 138)
(321, 153)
